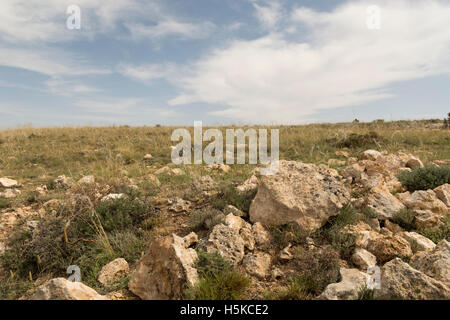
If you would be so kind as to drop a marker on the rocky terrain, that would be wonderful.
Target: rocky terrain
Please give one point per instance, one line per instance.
(312, 231)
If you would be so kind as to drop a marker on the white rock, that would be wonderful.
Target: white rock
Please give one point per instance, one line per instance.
(422, 243)
(8, 183)
(348, 288)
(370, 155)
(363, 259)
(257, 264)
(63, 289)
(87, 180)
(113, 196)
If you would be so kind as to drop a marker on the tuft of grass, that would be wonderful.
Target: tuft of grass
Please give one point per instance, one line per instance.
(14, 288)
(291, 233)
(365, 293)
(218, 280)
(295, 290)
(205, 218)
(405, 218)
(425, 178)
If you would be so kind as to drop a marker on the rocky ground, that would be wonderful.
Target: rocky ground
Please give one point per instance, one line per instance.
(312, 231)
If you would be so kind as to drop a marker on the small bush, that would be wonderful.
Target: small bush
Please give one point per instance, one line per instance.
(4, 203)
(205, 218)
(317, 268)
(218, 280)
(229, 195)
(120, 214)
(437, 235)
(291, 233)
(405, 219)
(425, 178)
(354, 140)
(13, 289)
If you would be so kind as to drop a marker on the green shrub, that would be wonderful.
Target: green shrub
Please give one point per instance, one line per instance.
(284, 234)
(205, 218)
(229, 195)
(405, 219)
(439, 234)
(14, 288)
(355, 140)
(218, 280)
(425, 178)
(4, 203)
(317, 268)
(119, 214)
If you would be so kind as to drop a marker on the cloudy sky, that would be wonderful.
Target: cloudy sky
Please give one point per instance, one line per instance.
(146, 62)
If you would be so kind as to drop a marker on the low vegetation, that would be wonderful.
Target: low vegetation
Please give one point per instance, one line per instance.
(425, 178)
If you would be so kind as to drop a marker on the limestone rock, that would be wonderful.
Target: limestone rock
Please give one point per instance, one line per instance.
(113, 270)
(165, 270)
(303, 193)
(348, 288)
(63, 182)
(8, 183)
(262, 237)
(113, 196)
(414, 162)
(87, 180)
(443, 194)
(232, 209)
(421, 243)
(63, 289)
(363, 259)
(257, 264)
(388, 247)
(370, 155)
(228, 242)
(383, 203)
(251, 184)
(423, 200)
(400, 280)
(434, 263)
(427, 219)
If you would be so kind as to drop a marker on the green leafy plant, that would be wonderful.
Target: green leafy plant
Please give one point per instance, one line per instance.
(405, 218)
(425, 178)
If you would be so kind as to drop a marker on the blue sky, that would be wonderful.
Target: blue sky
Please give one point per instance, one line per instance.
(172, 62)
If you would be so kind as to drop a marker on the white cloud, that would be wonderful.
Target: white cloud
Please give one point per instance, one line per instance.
(148, 72)
(268, 15)
(342, 62)
(168, 27)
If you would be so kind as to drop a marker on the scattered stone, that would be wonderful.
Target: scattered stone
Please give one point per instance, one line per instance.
(63, 289)
(113, 270)
(277, 273)
(400, 280)
(10, 193)
(257, 264)
(388, 247)
(177, 172)
(87, 180)
(232, 209)
(443, 194)
(148, 156)
(251, 184)
(434, 263)
(394, 228)
(228, 242)
(285, 197)
(248, 237)
(180, 205)
(383, 203)
(113, 196)
(336, 162)
(363, 259)
(348, 288)
(370, 155)
(262, 237)
(421, 243)
(423, 200)
(154, 180)
(165, 270)
(414, 162)
(8, 183)
(342, 153)
(63, 182)
(427, 219)
(286, 254)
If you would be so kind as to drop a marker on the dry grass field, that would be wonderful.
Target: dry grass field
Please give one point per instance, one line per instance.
(75, 227)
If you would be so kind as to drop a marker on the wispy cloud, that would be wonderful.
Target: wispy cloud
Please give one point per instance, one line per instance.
(343, 63)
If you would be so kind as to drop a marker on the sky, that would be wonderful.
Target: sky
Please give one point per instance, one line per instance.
(148, 62)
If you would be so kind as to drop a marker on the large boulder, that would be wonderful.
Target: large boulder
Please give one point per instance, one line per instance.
(352, 281)
(434, 263)
(165, 270)
(401, 281)
(63, 289)
(303, 193)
